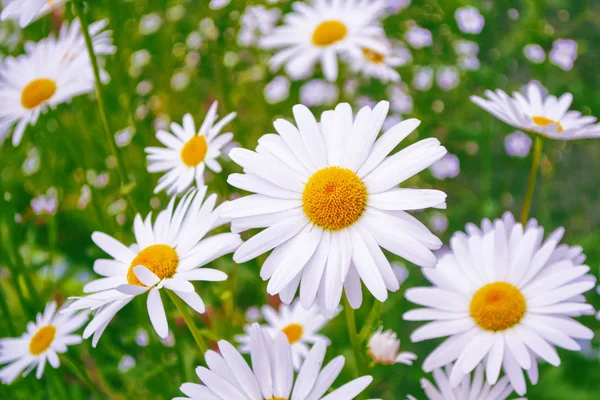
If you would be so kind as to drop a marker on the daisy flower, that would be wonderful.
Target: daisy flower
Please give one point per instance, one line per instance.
(539, 113)
(188, 151)
(46, 337)
(271, 377)
(299, 325)
(380, 65)
(170, 255)
(477, 389)
(27, 11)
(321, 32)
(327, 194)
(384, 348)
(51, 72)
(505, 298)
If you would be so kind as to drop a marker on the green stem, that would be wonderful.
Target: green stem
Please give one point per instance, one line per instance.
(354, 339)
(6, 314)
(373, 317)
(189, 322)
(535, 166)
(82, 376)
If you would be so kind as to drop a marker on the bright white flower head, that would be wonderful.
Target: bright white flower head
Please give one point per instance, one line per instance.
(328, 194)
(477, 389)
(51, 72)
(228, 376)
(384, 348)
(381, 65)
(170, 255)
(564, 53)
(539, 113)
(418, 37)
(505, 298)
(189, 151)
(469, 20)
(299, 325)
(45, 338)
(321, 32)
(27, 11)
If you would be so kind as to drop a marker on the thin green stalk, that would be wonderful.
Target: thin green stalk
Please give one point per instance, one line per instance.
(82, 375)
(371, 319)
(535, 166)
(354, 339)
(189, 322)
(6, 314)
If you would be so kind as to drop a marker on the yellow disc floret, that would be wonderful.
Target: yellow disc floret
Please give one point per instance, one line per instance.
(373, 56)
(161, 259)
(498, 306)
(328, 33)
(334, 198)
(293, 332)
(42, 340)
(194, 151)
(37, 92)
(543, 121)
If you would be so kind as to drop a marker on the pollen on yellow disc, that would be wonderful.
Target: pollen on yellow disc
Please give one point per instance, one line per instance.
(161, 259)
(293, 332)
(498, 306)
(41, 341)
(373, 56)
(543, 121)
(194, 151)
(37, 92)
(329, 32)
(334, 198)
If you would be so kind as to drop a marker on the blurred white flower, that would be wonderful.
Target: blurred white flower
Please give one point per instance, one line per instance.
(400, 100)
(124, 136)
(45, 204)
(256, 22)
(469, 20)
(466, 48)
(318, 93)
(394, 6)
(438, 222)
(384, 348)
(31, 165)
(140, 58)
(143, 88)
(423, 78)
(447, 167)
(400, 271)
(448, 78)
(277, 90)
(27, 11)
(418, 37)
(517, 144)
(534, 53)
(176, 13)
(564, 53)
(180, 80)
(253, 314)
(381, 65)
(84, 197)
(218, 4)
(127, 362)
(150, 23)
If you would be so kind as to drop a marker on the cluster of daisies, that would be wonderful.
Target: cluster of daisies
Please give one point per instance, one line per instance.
(327, 196)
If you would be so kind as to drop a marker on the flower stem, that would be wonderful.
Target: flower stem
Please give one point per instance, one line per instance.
(373, 317)
(189, 322)
(354, 339)
(535, 166)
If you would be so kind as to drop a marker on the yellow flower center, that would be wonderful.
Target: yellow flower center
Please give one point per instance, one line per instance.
(194, 151)
(293, 332)
(41, 341)
(334, 198)
(373, 56)
(161, 259)
(498, 306)
(37, 92)
(543, 121)
(329, 32)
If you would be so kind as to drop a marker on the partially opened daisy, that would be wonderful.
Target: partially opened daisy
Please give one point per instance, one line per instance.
(321, 32)
(51, 72)
(271, 377)
(537, 112)
(46, 337)
(505, 298)
(27, 11)
(384, 348)
(475, 389)
(300, 326)
(328, 195)
(169, 255)
(188, 151)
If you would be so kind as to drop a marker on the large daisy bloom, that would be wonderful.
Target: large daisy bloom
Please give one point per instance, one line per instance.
(170, 255)
(327, 194)
(300, 326)
(46, 337)
(536, 112)
(51, 72)
(27, 11)
(321, 32)
(271, 377)
(505, 298)
(476, 389)
(188, 151)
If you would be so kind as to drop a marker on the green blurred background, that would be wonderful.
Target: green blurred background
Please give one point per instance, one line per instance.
(192, 57)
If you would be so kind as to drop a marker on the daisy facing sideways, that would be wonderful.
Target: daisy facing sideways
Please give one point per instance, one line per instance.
(27, 11)
(381, 65)
(384, 348)
(168, 255)
(188, 151)
(51, 72)
(271, 377)
(323, 31)
(327, 195)
(46, 337)
(539, 113)
(505, 298)
(476, 389)
(299, 325)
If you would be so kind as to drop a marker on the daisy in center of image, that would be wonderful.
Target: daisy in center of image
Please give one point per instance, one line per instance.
(327, 193)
